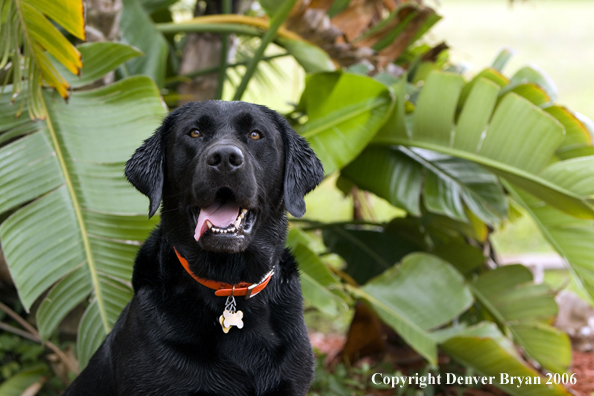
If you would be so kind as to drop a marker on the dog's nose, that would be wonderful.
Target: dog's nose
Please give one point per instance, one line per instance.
(225, 158)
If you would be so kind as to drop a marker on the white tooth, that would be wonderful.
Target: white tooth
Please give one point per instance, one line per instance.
(208, 224)
(237, 223)
(243, 212)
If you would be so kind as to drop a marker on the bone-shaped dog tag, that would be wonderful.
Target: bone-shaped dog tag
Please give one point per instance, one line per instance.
(231, 316)
(221, 321)
(232, 319)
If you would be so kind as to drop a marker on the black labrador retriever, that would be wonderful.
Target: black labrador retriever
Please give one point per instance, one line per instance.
(217, 306)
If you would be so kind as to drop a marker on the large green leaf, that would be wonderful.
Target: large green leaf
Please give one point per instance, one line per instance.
(575, 174)
(18, 383)
(526, 309)
(28, 36)
(578, 140)
(317, 282)
(82, 222)
(532, 74)
(138, 30)
(340, 124)
(396, 177)
(484, 349)
(516, 141)
(367, 252)
(99, 58)
(450, 183)
(571, 237)
(312, 58)
(421, 294)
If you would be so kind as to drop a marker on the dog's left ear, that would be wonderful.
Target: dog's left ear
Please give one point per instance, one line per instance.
(303, 170)
(145, 168)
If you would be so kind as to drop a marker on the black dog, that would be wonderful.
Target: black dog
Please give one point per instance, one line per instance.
(225, 172)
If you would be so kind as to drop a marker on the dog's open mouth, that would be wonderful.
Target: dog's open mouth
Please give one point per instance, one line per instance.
(223, 217)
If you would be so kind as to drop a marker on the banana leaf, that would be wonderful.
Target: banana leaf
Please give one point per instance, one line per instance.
(416, 297)
(484, 349)
(449, 185)
(570, 237)
(138, 30)
(510, 137)
(340, 124)
(320, 287)
(75, 223)
(28, 35)
(527, 310)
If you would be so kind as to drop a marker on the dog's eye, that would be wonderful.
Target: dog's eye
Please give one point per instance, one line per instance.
(255, 135)
(195, 133)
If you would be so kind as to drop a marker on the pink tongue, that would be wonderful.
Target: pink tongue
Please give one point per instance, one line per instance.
(220, 215)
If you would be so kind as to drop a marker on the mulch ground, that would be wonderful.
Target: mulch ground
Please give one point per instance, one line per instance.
(583, 367)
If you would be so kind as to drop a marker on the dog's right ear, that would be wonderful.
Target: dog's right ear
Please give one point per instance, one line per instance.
(145, 169)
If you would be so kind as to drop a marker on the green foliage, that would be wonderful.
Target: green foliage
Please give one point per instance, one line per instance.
(526, 310)
(452, 154)
(344, 380)
(138, 31)
(22, 364)
(320, 287)
(100, 58)
(421, 294)
(28, 37)
(81, 210)
(490, 353)
(341, 124)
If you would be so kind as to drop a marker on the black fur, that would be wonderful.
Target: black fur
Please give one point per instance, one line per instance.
(168, 341)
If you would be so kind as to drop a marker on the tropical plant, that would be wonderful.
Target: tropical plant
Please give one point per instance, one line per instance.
(453, 155)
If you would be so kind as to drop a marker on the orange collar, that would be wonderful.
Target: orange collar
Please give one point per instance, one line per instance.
(223, 289)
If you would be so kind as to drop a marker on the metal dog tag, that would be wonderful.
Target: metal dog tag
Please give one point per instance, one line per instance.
(231, 316)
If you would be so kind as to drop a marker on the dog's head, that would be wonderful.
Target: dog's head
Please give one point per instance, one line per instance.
(225, 172)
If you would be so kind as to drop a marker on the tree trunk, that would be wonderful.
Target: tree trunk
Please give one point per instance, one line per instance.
(103, 19)
(103, 24)
(201, 51)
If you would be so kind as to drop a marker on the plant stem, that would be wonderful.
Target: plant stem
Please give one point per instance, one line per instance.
(19, 332)
(275, 24)
(315, 225)
(226, 9)
(207, 28)
(33, 335)
(215, 69)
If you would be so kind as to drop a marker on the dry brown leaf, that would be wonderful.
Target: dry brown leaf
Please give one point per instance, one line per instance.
(397, 47)
(34, 388)
(365, 336)
(371, 40)
(337, 36)
(321, 4)
(358, 17)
